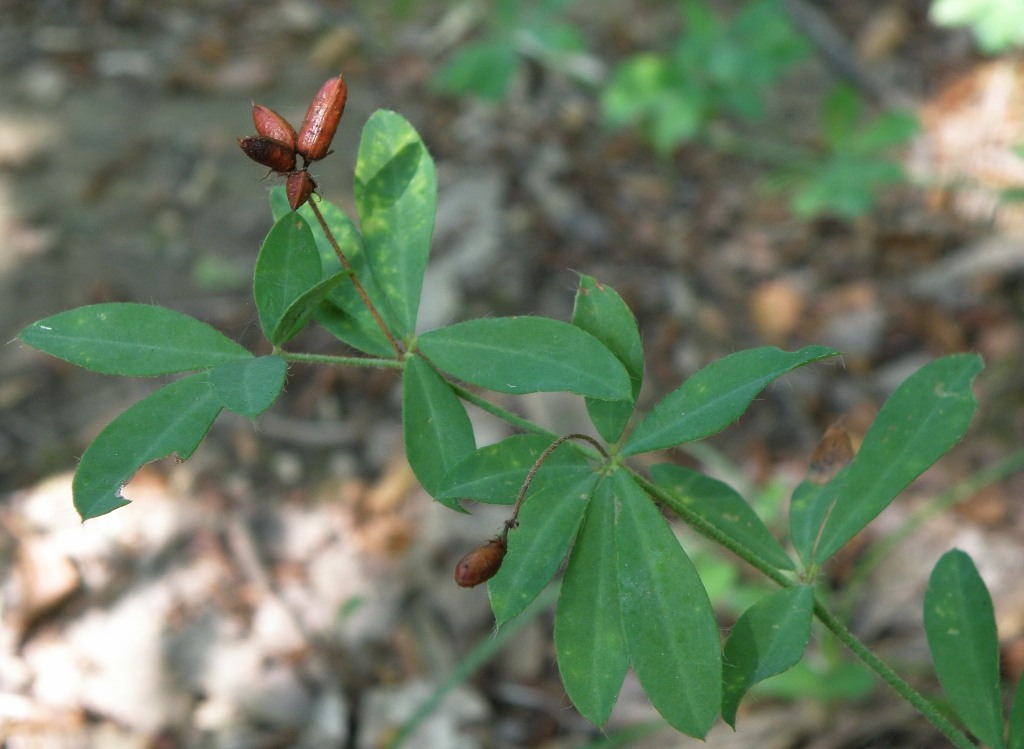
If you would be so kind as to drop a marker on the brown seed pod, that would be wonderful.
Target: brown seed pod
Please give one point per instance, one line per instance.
(270, 124)
(299, 187)
(321, 121)
(481, 564)
(269, 152)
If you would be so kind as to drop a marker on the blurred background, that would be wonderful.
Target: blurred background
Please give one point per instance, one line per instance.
(777, 172)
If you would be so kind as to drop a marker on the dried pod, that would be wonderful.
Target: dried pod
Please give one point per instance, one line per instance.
(833, 454)
(321, 121)
(270, 124)
(481, 564)
(269, 152)
(299, 187)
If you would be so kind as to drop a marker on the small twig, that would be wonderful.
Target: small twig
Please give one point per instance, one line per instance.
(355, 280)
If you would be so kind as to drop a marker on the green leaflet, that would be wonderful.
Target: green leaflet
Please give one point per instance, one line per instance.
(132, 339)
(438, 433)
(600, 311)
(923, 418)
(173, 420)
(589, 643)
(548, 521)
(767, 639)
(249, 387)
(716, 396)
(396, 198)
(519, 355)
(961, 629)
(666, 615)
(288, 267)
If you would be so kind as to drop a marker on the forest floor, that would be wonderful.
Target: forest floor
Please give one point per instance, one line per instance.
(290, 584)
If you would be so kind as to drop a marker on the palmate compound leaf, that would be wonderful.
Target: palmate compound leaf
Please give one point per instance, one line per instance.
(519, 355)
(173, 420)
(961, 628)
(767, 639)
(589, 644)
(600, 311)
(923, 418)
(438, 433)
(396, 198)
(548, 520)
(716, 396)
(667, 620)
(130, 339)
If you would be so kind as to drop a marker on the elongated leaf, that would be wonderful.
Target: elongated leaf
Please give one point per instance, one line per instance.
(249, 387)
(722, 507)
(548, 521)
(961, 628)
(667, 618)
(601, 312)
(288, 266)
(131, 339)
(345, 315)
(808, 510)
(923, 418)
(589, 643)
(520, 355)
(299, 312)
(767, 639)
(438, 433)
(495, 473)
(1016, 732)
(174, 420)
(396, 197)
(716, 396)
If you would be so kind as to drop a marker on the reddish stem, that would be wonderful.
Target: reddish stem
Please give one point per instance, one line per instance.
(513, 522)
(355, 281)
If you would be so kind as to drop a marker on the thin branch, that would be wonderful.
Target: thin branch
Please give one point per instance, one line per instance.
(355, 280)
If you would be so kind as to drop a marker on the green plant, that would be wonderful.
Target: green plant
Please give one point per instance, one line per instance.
(721, 69)
(997, 25)
(843, 177)
(514, 30)
(716, 68)
(630, 595)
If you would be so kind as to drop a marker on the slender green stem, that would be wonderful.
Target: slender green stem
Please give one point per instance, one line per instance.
(830, 620)
(482, 652)
(700, 525)
(352, 361)
(355, 280)
(485, 405)
(724, 139)
(890, 677)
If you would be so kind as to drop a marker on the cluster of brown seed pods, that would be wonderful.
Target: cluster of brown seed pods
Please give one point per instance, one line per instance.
(276, 143)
